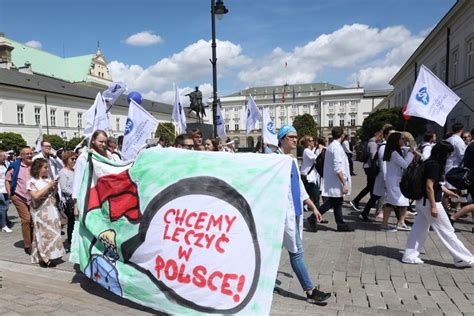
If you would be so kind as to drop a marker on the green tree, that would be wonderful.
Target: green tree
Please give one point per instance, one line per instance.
(11, 141)
(305, 125)
(167, 131)
(416, 126)
(72, 143)
(55, 140)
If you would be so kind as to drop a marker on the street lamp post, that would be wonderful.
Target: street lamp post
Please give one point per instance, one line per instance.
(217, 9)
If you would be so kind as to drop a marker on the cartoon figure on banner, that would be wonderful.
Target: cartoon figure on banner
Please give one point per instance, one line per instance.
(423, 96)
(101, 267)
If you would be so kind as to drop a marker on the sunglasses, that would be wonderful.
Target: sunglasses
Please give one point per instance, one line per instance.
(73, 159)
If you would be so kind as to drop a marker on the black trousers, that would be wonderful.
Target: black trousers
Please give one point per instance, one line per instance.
(334, 203)
(368, 188)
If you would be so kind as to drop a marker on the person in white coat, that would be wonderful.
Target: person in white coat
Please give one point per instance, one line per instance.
(287, 139)
(337, 180)
(378, 191)
(308, 170)
(397, 158)
(429, 140)
(431, 213)
(455, 159)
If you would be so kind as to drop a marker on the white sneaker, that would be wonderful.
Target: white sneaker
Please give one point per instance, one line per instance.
(354, 206)
(416, 261)
(388, 229)
(403, 227)
(463, 264)
(6, 229)
(411, 214)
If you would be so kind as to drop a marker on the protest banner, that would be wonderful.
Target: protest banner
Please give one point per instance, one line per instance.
(182, 232)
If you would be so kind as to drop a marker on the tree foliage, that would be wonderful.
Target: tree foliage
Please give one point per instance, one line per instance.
(55, 140)
(167, 131)
(11, 141)
(305, 125)
(72, 143)
(376, 120)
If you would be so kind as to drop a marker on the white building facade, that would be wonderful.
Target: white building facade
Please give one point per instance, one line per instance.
(448, 51)
(328, 104)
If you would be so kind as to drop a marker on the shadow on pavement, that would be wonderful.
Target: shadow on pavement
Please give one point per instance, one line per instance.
(389, 252)
(95, 289)
(19, 244)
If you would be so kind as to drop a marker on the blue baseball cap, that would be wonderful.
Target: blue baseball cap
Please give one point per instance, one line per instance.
(285, 129)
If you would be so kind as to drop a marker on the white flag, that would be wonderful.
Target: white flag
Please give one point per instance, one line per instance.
(178, 116)
(268, 130)
(220, 123)
(114, 91)
(431, 98)
(96, 117)
(39, 139)
(139, 126)
(253, 115)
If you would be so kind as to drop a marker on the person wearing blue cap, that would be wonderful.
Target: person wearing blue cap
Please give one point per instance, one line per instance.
(287, 138)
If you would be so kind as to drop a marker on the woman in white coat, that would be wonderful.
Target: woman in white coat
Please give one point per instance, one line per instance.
(432, 214)
(308, 170)
(396, 162)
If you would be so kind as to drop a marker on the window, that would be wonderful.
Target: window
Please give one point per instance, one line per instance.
(341, 121)
(66, 119)
(117, 123)
(79, 120)
(282, 111)
(19, 114)
(236, 127)
(353, 120)
(37, 116)
(454, 73)
(330, 122)
(294, 109)
(332, 103)
(470, 58)
(52, 116)
(305, 109)
(227, 127)
(354, 102)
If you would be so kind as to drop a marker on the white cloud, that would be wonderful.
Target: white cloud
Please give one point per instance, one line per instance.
(191, 64)
(348, 48)
(34, 44)
(145, 38)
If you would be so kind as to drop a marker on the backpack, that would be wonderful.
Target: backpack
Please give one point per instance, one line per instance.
(412, 184)
(365, 154)
(460, 177)
(319, 163)
(375, 164)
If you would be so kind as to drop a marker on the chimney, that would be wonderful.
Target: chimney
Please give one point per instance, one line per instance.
(5, 52)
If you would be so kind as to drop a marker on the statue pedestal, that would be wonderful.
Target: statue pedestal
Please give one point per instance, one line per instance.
(206, 129)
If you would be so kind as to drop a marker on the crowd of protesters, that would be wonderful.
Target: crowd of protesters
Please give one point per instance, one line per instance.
(44, 188)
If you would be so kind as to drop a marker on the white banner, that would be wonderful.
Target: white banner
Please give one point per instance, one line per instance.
(96, 117)
(39, 139)
(178, 115)
(268, 130)
(253, 115)
(114, 91)
(139, 126)
(431, 98)
(220, 123)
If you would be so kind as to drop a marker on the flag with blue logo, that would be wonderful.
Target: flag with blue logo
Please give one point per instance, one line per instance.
(430, 98)
(178, 115)
(252, 114)
(139, 126)
(220, 123)
(269, 131)
(114, 91)
(96, 117)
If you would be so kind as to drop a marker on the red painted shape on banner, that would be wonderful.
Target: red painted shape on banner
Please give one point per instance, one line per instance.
(405, 116)
(120, 191)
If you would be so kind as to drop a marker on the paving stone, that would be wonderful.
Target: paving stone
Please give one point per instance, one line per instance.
(377, 302)
(368, 278)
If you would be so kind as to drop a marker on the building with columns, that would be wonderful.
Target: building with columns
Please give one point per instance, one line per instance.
(329, 105)
(448, 51)
(38, 88)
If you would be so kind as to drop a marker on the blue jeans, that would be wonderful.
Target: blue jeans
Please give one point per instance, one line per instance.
(297, 261)
(3, 211)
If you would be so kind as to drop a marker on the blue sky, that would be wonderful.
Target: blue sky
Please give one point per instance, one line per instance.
(337, 41)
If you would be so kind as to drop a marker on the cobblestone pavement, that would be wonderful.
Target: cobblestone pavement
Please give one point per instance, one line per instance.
(362, 269)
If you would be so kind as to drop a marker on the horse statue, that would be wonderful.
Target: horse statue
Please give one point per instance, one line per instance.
(196, 105)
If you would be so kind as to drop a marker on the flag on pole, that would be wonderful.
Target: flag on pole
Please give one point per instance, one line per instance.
(178, 116)
(253, 115)
(431, 98)
(114, 91)
(139, 126)
(274, 96)
(268, 130)
(96, 117)
(220, 123)
(39, 139)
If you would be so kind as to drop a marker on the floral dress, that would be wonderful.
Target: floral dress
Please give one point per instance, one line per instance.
(47, 242)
